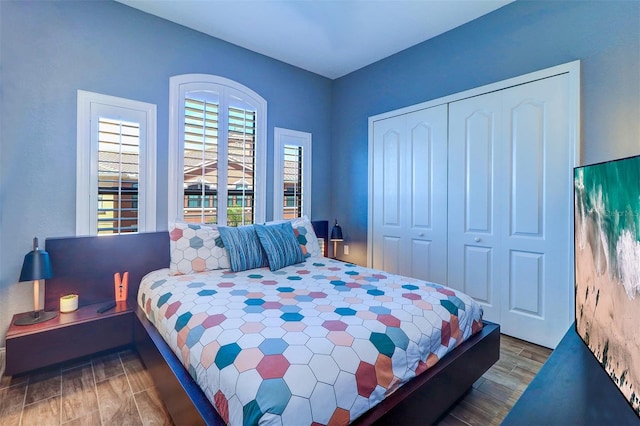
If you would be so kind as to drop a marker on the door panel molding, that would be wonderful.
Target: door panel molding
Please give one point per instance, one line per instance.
(526, 283)
(527, 151)
(391, 179)
(477, 274)
(421, 183)
(479, 137)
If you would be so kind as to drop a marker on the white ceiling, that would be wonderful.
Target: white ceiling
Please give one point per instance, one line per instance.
(328, 37)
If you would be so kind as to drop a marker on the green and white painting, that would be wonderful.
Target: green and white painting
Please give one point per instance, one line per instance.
(607, 268)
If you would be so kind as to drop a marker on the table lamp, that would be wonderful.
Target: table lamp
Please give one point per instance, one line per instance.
(36, 267)
(336, 235)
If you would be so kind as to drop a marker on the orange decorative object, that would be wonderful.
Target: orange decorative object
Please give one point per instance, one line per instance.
(121, 286)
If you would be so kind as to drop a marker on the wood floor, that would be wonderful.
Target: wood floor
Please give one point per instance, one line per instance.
(495, 393)
(117, 390)
(114, 389)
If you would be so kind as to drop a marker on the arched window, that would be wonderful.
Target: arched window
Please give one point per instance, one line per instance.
(217, 151)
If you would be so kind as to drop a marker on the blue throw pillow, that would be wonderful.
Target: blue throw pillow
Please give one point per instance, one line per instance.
(280, 244)
(243, 246)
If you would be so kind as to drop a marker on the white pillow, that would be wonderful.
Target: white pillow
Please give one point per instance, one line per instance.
(306, 236)
(196, 247)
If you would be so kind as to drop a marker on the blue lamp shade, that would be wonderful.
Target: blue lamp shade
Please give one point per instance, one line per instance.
(36, 265)
(336, 232)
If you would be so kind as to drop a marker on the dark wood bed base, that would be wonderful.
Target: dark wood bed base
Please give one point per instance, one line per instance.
(85, 265)
(420, 401)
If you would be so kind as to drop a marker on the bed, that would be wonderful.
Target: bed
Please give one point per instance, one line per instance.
(295, 337)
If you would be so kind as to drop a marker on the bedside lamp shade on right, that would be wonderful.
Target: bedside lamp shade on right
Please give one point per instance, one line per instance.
(336, 235)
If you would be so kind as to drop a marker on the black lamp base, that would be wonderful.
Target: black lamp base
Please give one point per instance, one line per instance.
(34, 318)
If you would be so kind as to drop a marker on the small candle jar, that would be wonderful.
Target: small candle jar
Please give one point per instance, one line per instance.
(68, 303)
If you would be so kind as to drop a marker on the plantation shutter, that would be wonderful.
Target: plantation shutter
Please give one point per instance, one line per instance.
(292, 179)
(118, 176)
(201, 161)
(241, 166)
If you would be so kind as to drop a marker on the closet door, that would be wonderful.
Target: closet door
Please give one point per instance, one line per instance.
(410, 194)
(475, 199)
(510, 207)
(536, 276)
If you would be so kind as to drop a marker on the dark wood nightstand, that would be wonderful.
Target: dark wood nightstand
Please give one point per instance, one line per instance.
(67, 336)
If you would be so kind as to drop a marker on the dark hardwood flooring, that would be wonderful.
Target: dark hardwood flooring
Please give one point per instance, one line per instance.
(115, 389)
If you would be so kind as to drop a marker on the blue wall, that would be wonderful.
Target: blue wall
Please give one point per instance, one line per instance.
(49, 50)
(519, 38)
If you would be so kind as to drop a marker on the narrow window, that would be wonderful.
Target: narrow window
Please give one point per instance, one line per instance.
(292, 171)
(115, 188)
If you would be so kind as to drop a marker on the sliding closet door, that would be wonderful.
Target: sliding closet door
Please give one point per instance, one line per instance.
(410, 195)
(510, 176)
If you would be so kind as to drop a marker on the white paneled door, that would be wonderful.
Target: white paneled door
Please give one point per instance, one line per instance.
(509, 206)
(409, 192)
(475, 177)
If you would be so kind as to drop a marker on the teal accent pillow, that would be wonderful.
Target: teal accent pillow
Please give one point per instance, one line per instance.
(280, 244)
(243, 246)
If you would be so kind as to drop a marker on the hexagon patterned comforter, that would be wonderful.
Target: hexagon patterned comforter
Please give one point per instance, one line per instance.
(322, 341)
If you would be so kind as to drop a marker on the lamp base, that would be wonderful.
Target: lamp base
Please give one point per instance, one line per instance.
(34, 317)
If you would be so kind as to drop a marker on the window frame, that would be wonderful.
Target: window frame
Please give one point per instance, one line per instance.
(303, 140)
(91, 106)
(179, 86)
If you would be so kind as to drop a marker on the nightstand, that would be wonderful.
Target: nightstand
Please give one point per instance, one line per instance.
(68, 336)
